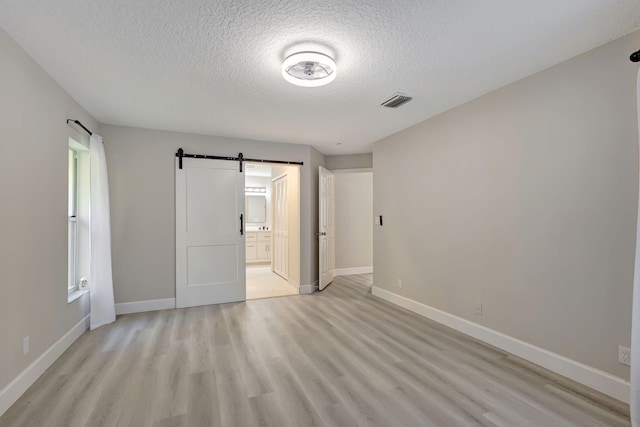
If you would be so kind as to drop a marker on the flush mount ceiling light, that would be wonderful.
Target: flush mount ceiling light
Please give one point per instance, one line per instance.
(309, 69)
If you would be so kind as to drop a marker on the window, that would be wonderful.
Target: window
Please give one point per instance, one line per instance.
(78, 220)
(72, 283)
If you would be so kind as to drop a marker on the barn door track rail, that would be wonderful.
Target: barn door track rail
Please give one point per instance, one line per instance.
(180, 154)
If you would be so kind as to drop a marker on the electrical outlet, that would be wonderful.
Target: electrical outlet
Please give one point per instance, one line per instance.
(25, 345)
(479, 309)
(624, 355)
(400, 283)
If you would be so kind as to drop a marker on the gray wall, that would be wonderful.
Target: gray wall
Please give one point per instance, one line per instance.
(142, 186)
(354, 219)
(34, 138)
(524, 200)
(350, 161)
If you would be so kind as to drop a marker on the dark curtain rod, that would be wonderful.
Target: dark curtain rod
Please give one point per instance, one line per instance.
(80, 124)
(181, 154)
(635, 56)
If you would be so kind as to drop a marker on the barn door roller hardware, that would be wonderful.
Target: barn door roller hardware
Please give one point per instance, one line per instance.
(240, 159)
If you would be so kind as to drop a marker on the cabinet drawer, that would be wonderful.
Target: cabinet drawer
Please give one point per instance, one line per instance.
(251, 237)
(264, 237)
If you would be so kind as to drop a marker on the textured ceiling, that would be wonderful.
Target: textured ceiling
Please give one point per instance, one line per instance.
(213, 67)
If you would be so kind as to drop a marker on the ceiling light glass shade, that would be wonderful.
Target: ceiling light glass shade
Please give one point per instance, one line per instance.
(309, 69)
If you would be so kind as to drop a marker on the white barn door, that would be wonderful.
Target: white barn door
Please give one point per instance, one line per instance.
(280, 262)
(210, 247)
(326, 238)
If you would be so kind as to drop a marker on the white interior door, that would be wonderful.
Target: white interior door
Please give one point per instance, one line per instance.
(280, 202)
(326, 232)
(210, 251)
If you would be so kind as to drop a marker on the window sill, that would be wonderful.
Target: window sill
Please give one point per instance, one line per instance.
(76, 294)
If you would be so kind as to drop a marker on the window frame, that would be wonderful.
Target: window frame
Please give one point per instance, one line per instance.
(72, 222)
(78, 218)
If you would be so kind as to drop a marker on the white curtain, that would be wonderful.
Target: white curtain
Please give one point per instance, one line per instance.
(635, 322)
(100, 277)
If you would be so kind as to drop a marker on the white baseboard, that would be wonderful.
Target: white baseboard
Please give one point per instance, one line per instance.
(352, 270)
(26, 378)
(309, 288)
(599, 380)
(147, 305)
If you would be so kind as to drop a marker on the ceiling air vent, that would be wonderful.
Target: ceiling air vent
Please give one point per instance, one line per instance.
(396, 100)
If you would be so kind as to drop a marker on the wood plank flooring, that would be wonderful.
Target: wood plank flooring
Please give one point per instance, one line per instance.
(340, 357)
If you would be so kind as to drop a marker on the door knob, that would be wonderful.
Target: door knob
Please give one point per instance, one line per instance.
(321, 233)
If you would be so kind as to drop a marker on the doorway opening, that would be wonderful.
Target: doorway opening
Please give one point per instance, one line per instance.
(272, 207)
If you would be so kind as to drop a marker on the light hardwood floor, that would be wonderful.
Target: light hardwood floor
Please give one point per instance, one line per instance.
(340, 357)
